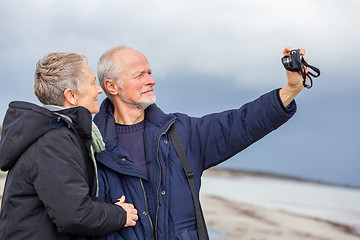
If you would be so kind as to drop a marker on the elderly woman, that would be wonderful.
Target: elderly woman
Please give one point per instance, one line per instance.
(49, 153)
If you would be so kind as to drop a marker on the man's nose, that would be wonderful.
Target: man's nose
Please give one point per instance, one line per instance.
(150, 80)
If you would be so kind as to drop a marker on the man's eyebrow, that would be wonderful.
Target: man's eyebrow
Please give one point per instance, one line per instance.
(137, 72)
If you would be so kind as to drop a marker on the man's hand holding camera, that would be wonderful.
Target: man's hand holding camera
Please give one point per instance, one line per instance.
(297, 73)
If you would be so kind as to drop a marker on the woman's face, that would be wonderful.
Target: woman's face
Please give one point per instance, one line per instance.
(87, 96)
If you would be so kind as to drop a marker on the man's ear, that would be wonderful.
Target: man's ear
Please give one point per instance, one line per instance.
(111, 86)
(70, 99)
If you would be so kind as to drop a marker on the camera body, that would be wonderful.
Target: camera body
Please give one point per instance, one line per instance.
(296, 63)
(293, 62)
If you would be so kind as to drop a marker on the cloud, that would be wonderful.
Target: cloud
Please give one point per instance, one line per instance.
(207, 37)
(239, 42)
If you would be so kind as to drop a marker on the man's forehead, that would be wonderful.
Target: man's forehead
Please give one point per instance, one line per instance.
(130, 56)
(132, 61)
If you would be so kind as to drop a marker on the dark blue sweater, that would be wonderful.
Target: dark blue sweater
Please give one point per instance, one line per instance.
(131, 138)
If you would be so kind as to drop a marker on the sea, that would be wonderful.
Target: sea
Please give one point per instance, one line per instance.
(332, 203)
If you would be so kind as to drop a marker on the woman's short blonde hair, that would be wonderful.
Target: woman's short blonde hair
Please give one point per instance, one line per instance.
(55, 73)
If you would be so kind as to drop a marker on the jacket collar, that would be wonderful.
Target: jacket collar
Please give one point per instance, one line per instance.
(25, 122)
(156, 116)
(106, 122)
(156, 122)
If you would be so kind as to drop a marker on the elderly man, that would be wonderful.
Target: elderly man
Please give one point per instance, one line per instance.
(141, 161)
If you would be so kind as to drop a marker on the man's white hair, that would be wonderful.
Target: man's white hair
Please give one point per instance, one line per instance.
(107, 67)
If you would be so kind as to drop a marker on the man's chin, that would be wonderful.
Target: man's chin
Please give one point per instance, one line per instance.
(143, 104)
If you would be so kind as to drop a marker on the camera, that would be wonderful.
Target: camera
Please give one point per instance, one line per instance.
(296, 63)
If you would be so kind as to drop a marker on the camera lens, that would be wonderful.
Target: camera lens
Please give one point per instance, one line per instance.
(287, 62)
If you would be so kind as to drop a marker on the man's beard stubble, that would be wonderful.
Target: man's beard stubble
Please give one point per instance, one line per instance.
(141, 104)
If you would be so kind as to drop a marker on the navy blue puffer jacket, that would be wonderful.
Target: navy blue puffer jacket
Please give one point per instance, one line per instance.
(164, 200)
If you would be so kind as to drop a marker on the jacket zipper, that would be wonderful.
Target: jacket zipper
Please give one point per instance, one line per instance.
(146, 207)
(157, 193)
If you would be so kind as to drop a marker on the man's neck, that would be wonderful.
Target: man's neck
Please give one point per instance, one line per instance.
(127, 114)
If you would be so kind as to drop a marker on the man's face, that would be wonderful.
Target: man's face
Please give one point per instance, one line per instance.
(136, 82)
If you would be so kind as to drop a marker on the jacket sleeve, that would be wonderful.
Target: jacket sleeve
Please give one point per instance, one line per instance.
(61, 184)
(104, 196)
(219, 136)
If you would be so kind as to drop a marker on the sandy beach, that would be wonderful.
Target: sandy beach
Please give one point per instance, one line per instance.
(251, 222)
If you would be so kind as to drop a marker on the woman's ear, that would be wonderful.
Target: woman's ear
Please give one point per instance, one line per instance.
(111, 86)
(70, 99)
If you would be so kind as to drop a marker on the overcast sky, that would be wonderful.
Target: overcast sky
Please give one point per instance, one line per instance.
(242, 40)
(206, 56)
